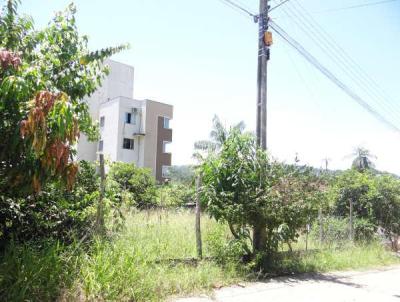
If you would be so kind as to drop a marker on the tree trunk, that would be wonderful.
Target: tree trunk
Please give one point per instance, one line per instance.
(259, 238)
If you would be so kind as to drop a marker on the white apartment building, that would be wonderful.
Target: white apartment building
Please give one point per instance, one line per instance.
(131, 131)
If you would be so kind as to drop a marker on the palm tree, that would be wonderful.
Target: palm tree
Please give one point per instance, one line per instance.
(218, 136)
(362, 159)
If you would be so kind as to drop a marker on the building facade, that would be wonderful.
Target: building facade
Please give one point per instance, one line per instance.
(131, 131)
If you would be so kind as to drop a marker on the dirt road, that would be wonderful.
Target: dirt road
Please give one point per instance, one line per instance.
(381, 285)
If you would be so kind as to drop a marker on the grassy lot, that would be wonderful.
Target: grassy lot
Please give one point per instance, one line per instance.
(131, 266)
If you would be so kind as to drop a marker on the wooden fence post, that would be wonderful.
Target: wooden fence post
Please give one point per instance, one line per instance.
(100, 226)
(198, 215)
(351, 227)
(321, 226)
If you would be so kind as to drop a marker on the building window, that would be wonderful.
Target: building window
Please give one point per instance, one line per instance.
(166, 148)
(165, 172)
(128, 118)
(102, 121)
(166, 122)
(101, 146)
(134, 116)
(128, 144)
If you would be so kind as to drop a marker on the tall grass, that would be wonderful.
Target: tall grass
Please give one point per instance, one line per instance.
(135, 263)
(132, 265)
(35, 272)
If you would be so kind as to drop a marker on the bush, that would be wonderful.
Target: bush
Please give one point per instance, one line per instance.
(176, 195)
(225, 250)
(387, 207)
(336, 230)
(56, 212)
(35, 272)
(376, 202)
(248, 190)
(360, 188)
(364, 230)
(139, 182)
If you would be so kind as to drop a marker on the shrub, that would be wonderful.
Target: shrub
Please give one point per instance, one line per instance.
(35, 272)
(246, 189)
(55, 212)
(336, 230)
(176, 195)
(364, 230)
(387, 207)
(360, 188)
(44, 76)
(139, 182)
(225, 250)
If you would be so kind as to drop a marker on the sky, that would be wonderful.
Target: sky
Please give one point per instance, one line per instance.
(201, 57)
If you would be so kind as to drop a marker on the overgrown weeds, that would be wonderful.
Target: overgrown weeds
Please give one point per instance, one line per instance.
(134, 264)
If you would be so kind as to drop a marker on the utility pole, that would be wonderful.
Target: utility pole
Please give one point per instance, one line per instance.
(264, 41)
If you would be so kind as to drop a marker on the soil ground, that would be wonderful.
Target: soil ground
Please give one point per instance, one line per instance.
(380, 285)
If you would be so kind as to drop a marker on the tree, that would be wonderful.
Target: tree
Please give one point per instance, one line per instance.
(44, 76)
(218, 135)
(357, 187)
(386, 207)
(363, 159)
(248, 190)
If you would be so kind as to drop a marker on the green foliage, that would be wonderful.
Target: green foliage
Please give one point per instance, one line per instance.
(364, 230)
(139, 182)
(35, 272)
(336, 231)
(176, 194)
(132, 266)
(181, 174)
(246, 189)
(55, 212)
(376, 201)
(44, 76)
(223, 250)
(359, 188)
(328, 259)
(386, 206)
(135, 265)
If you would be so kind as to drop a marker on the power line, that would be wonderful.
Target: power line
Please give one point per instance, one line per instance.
(278, 5)
(245, 5)
(359, 76)
(337, 54)
(356, 6)
(237, 6)
(311, 59)
(327, 44)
